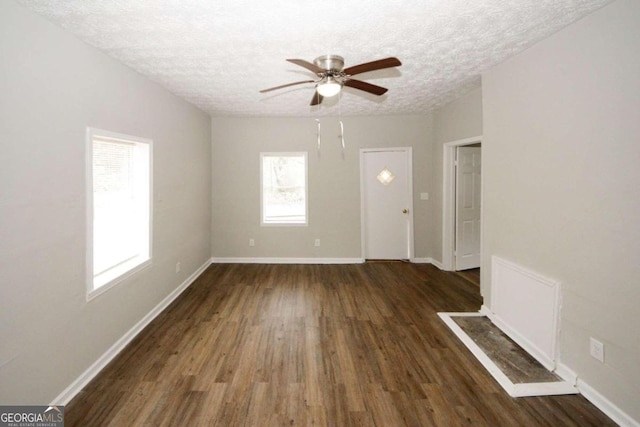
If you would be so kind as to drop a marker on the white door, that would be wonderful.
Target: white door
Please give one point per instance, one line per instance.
(467, 251)
(386, 188)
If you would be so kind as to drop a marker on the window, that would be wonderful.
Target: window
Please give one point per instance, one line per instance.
(118, 208)
(284, 188)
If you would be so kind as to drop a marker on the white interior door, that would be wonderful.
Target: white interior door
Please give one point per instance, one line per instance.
(386, 187)
(468, 191)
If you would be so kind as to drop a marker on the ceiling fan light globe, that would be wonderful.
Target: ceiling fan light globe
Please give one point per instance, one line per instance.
(329, 89)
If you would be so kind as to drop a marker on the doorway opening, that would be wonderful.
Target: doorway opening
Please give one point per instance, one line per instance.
(461, 236)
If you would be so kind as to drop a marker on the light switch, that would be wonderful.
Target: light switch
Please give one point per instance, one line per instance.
(424, 196)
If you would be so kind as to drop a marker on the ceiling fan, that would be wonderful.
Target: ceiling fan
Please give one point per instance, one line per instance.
(332, 76)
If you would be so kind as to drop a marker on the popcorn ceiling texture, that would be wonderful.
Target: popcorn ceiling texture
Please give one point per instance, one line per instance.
(219, 54)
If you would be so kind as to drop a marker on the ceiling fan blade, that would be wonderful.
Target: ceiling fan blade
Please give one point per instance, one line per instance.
(372, 66)
(308, 65)
(287, 85)
(317, 98)
(367, 87)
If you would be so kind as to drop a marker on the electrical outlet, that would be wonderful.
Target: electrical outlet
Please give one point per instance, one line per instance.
(596, 349)
(317, 243)
(252, 242)
(178, 267)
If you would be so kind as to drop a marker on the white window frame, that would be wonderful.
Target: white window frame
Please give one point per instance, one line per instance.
(97, 285)
(306, 189)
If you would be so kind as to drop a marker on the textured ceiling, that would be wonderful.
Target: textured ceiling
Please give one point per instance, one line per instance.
(219, 54)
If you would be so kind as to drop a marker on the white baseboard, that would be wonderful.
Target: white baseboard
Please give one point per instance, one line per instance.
(485, 310)
(602, 403)
(247, 260)
(427, 261)
(270, 260)
(566, 374)
(76, 386)
(437, 263)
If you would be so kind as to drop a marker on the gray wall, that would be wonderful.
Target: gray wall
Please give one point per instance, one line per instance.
(52, 87)
(334, 183)
(562, 187)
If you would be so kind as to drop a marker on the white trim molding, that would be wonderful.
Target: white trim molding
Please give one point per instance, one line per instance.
(566, 374)
(448, 202)
(79, 383)
(606, 406)
(116, 272)
(285, 222)
(266, 260)
(428, 260)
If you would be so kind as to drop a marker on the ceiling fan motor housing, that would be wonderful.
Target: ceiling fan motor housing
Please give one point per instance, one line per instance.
(333, 76)
(330, 62)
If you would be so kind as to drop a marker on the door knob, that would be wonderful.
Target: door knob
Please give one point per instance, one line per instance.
(405, 211)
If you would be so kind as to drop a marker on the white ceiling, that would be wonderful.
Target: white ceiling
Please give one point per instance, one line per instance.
(219, 54)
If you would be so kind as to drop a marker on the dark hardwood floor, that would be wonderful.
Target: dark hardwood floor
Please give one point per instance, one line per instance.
(335, 345)
(471, 275)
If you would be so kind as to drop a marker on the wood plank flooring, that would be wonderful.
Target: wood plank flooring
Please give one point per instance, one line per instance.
(326, 345)
(471, 275)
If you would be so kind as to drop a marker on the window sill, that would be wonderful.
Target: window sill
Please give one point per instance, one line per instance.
(284, 224)
(110, 278)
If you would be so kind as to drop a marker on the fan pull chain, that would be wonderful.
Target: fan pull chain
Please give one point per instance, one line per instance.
(341, 124)
(318, 121)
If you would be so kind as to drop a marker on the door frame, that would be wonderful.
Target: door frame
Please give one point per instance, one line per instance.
(449, 201)
(409, 154)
